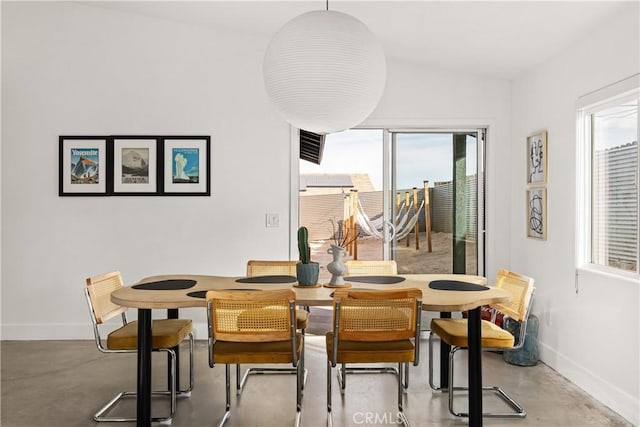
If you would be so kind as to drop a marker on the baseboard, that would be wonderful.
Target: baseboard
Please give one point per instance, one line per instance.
(606, 393)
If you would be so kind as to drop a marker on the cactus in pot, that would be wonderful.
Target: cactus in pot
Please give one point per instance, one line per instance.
(306, 271)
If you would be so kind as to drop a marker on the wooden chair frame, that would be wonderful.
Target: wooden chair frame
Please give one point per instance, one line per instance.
(101, 309)
(370, 268)
(522, 289)
(355, 321)
(253, 317)
(269, 268)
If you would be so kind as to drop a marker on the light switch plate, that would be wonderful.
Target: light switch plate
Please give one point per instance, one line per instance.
(272, 220)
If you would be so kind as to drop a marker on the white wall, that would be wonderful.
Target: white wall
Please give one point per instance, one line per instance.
(590, 336)
(74, 69)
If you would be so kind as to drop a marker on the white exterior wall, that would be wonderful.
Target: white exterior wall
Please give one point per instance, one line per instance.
(590, 336)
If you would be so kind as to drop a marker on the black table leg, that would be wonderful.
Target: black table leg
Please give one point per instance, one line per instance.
(444, 358)
(475, 367)
(172, 313)
(144, 368)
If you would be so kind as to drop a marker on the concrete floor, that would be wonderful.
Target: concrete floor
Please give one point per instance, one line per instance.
(62, 383)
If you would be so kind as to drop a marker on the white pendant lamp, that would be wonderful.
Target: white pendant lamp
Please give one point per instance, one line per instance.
(324, 71)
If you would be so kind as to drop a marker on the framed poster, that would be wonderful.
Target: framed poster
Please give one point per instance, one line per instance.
(537, 158)
(83, 167)
(186, 166)
(537, 213)
(135, 165)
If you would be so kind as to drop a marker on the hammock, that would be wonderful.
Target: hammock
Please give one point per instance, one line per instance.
(378, 223)
(412, 222)
(378, 228)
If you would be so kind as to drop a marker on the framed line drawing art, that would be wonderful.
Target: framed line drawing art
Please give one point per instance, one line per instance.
(135, 165)
(187, 170)
(537, 158)
(83, 166)
(537, 213)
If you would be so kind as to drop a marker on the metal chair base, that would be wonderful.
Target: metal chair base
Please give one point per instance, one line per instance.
(343, 370)
(99, 416)
(270, 371)
(264, 371)
(299, 380)
(402, 419)
(518, 410)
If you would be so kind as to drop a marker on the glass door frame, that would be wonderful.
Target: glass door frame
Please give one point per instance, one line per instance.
(390, 172)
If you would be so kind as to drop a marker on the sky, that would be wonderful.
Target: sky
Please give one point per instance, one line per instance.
(617, 125)
(420, 157)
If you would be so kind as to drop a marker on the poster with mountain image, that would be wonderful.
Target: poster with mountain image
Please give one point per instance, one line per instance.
(135, 165)
(85, 165)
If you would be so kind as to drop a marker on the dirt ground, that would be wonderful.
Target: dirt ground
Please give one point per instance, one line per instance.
(409, 259)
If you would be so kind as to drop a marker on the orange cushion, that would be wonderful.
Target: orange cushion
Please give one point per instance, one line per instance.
(255, 352)
(370, 351)
(454, 332)
(167, 333)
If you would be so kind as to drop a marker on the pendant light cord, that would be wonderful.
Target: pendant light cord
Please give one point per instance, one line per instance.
(327, 5)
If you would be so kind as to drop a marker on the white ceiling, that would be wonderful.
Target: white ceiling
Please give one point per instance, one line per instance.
(493, 38)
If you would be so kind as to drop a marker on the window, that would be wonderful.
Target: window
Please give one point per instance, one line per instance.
(611, 144)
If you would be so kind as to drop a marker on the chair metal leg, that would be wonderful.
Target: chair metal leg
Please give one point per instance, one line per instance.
(343, 370)
(342, 378)
(403, 419)
(329, 415)
(99, 416)
(240, 383)
(187, 392)
(242, 379)
(519, 411)
(227, 406)
(299, 382)
(431, 384)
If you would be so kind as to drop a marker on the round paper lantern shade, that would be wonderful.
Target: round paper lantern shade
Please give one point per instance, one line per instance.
(324, 71)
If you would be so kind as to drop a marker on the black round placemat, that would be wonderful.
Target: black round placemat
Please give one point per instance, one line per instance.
(203, 294)
(378, 280)
(268, 279)
(167, 285)
(455, 285)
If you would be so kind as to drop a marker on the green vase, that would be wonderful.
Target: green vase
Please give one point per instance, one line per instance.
(307, 273)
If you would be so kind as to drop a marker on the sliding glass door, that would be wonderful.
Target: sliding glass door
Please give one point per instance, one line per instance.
(413, 196)
(438, 207)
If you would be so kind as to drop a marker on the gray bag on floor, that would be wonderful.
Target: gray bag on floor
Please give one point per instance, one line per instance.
(528, 354)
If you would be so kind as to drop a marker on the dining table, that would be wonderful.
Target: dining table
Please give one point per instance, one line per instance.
(175, 291)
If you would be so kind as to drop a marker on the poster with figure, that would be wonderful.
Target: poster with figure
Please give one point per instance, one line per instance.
(537, 158)
(537, 213)
(187, 166)
(82, 166)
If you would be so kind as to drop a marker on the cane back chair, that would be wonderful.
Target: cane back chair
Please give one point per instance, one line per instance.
(374, 326)
(256, 327)
(167, 334)
(274, 268)
(494, 338)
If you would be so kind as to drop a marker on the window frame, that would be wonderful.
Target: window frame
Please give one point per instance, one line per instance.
(588, 105)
